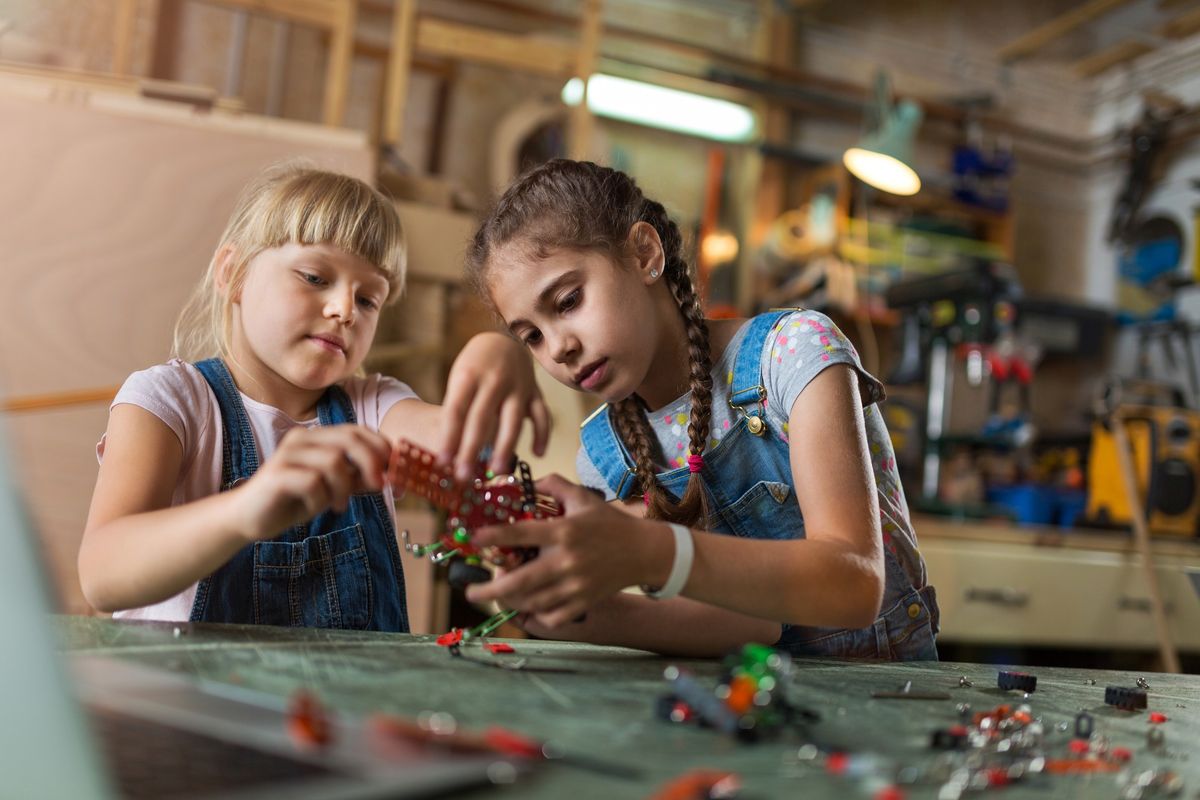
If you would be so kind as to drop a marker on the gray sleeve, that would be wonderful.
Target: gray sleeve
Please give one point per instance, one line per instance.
(800, 347)
(589, 476)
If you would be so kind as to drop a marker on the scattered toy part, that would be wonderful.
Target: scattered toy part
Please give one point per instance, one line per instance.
(309, 725)
(1125, 698)
(1021, 681)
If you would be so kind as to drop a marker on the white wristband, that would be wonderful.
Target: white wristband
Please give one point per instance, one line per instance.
(681, 567)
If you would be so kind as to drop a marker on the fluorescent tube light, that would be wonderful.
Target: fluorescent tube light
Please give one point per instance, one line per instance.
(660, 107)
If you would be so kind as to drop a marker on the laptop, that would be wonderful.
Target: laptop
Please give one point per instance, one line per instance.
(92, 727)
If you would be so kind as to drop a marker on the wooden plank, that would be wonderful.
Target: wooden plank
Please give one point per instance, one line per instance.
(1141, 531)
(1119, 53)
(581, 123)
(437, 240)
(338, 62)
(81, 264)
(399, 70)
(41, 402)
(1061, 25)
(1177, 28)
(470, 43)
(324, 14)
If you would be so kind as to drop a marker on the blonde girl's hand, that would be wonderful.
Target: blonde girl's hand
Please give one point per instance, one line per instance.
(312, 470)
(587, 554)
(490, 393)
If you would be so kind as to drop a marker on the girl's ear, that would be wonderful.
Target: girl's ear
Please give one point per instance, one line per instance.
(223, 270)
(648, 254)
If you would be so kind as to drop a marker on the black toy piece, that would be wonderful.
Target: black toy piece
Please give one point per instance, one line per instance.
(1125, 698)
(461, 574)
(952, 738)
(1020, 681)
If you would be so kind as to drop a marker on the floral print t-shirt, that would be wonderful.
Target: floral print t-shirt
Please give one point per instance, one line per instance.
(799, 347)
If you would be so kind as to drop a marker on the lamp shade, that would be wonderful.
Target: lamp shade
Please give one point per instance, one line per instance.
(883, 158)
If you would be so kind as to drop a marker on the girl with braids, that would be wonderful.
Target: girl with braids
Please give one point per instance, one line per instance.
(754, 468)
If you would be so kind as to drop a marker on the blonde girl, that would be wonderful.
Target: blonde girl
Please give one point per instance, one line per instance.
(242, 481)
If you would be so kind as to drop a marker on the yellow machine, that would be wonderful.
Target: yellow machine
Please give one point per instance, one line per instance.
(1166, 456)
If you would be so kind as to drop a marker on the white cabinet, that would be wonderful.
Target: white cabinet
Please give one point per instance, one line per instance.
(1005, 585)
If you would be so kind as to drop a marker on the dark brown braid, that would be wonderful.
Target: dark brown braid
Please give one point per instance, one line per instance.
(581, 205)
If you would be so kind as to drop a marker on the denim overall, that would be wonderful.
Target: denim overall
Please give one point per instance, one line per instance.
(340, 570)
(748, 482)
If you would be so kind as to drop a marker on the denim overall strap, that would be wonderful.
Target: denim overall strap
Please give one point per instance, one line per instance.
(389, 607)
(340, 569)
(241, 461)
(608, 453)
(746, 391)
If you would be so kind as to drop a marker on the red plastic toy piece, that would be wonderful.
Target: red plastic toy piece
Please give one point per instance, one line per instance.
(498, 647)
(836, 763)
(511, 743)
(1157, 717)
(453, 637)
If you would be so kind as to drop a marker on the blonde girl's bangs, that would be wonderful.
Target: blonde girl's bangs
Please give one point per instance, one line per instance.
(315, 207)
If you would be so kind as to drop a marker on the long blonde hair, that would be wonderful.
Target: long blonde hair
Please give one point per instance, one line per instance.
(286, 204)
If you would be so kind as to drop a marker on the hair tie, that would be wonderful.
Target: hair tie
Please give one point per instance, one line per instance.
(646, 499)
(695, 463)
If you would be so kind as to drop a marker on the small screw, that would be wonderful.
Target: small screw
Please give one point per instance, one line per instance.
(1142, 683)
(177, 632)
(964, 683)
(1090, 681)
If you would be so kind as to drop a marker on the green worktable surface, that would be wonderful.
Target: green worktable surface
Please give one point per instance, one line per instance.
(604, 708)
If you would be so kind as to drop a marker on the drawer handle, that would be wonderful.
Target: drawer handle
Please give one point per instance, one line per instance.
(1127, 603)
(1006, 596)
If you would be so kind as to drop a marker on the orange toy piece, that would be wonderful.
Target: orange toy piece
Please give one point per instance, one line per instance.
(701, 784)
(308, 723)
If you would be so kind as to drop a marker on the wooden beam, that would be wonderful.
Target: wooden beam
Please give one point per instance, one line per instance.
(324, 14)
(580, 123)
(469, 43)
(126, 22)
(1061, 25)
(1177, 28)
(338, 61)
(1184, 25)
(1102, 60)
(399, 70)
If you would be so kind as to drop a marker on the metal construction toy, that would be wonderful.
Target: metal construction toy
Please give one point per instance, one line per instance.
(749, 701)
(488, 499)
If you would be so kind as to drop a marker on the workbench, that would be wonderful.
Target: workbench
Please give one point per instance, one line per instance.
(604, 707)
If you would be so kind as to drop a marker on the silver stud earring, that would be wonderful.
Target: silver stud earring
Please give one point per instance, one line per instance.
(653, 273)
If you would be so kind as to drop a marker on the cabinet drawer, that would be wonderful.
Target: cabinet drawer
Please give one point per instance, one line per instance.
(1026, 595)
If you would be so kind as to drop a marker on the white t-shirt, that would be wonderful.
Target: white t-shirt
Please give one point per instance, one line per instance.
(177, 394)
